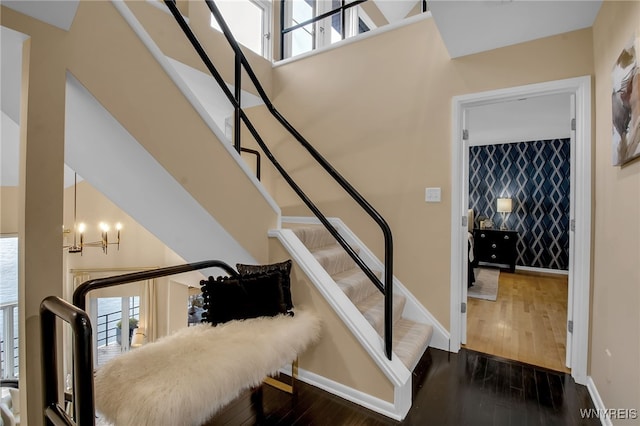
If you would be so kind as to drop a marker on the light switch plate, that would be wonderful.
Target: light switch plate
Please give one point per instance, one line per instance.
(433, 195)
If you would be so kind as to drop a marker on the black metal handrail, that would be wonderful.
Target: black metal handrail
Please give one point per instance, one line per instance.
(80, 293)
(240, 59)
(52, 307)
(257, 154)
(54, 414)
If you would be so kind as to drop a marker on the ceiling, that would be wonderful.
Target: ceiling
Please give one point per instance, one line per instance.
(396, 10)
(468, 27)
(59, 13)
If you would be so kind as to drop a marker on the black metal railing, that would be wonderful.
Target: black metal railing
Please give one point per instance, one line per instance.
(107, 324)
(9, 343)
(253, 152)
(75, 315)
(6, 372)
(240, 115)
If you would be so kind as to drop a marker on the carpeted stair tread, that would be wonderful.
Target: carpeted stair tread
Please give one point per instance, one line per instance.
(312, 236)
(373, 309)
(356, 284)
(334, 259)
(409, 340)
(409, 337)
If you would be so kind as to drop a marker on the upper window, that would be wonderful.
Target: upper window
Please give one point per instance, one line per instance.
(301, 36)
(250, 23)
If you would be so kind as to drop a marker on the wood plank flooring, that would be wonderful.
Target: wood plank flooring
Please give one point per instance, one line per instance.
(468, 388)
(526, 323)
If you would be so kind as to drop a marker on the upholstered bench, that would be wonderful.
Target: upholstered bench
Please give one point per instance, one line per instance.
(186, 377)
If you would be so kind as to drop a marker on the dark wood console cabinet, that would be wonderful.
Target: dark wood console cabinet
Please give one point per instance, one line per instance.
(495, 246)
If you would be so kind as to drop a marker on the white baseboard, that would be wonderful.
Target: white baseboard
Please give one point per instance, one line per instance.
(386, 408)
(542, 270)
(597, 401)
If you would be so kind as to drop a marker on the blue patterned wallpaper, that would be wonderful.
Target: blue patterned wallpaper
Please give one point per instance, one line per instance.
(535, 175)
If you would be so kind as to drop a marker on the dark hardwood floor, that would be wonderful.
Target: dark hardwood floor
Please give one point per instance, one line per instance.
(468, 388)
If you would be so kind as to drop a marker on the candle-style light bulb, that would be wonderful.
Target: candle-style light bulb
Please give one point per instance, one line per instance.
(118, 228)
(81, 228)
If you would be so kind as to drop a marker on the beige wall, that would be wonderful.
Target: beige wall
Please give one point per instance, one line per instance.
(380, 111)
(615, 317)
(9, 210)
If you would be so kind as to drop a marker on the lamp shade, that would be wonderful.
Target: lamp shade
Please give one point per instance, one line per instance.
(504, 205)
(138, 337)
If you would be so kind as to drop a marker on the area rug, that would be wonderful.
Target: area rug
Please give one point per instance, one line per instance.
(486, 284)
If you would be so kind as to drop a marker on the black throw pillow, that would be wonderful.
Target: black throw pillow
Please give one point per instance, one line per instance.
(283, 267)
(242, 297)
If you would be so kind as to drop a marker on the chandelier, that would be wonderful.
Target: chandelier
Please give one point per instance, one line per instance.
(79, 228)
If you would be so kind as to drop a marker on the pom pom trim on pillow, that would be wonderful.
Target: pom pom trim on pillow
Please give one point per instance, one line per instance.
(242, 297)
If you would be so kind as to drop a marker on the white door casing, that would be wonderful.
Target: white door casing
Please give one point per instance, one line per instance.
(572, 200)
(464, 142)
(579, 273)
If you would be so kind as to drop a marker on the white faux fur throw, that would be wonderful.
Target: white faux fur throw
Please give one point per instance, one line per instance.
(185, 378)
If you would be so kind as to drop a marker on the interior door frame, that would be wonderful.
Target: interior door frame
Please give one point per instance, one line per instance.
(580, 274)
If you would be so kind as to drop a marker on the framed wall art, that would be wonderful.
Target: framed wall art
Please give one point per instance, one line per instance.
(626, 104)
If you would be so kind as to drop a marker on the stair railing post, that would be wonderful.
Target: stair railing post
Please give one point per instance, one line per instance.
(238, 106)
(388, 296)
(282, 16)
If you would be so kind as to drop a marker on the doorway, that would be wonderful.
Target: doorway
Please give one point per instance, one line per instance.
(520, 315)
(580, 215)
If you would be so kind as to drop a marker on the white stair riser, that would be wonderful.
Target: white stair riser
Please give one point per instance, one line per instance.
(334, 261)
(357, 286)
(373, 310)
(314, 237)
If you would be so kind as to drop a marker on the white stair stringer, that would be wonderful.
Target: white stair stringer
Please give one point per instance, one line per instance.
(395, 371)
(413, 309)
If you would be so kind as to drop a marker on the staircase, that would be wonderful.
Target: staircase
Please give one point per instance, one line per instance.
(410, 338)
(333, 260)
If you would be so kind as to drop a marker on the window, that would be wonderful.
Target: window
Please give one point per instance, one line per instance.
(9, 339)
(115, 319)
(343, 23)
(195, 309)
(250, 23)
